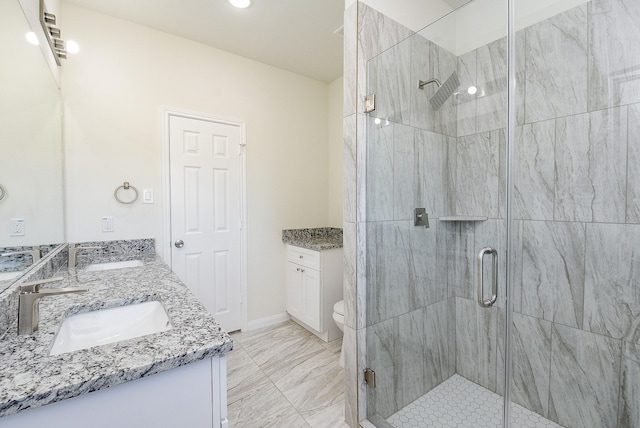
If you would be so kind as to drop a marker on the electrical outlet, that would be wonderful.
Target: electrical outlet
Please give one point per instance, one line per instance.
(17, 227)
(107, 224)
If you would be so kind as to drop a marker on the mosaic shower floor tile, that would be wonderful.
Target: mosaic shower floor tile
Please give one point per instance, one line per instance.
(460, 403)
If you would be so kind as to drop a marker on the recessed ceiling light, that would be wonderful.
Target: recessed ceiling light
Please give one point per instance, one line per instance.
(32, 38)
(240, 4)
(72, 47)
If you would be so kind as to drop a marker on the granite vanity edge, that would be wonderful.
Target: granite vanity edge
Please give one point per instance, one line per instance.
(196, 336)
(317, 239)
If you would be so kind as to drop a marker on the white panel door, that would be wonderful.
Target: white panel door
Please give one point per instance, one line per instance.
(206, 213)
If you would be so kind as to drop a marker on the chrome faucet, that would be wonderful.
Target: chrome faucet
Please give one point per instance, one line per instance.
(73, 253)
(35, 254)
(29, 302)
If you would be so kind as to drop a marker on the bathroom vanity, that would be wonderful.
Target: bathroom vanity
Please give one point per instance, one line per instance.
(176, 377)
(314, 278)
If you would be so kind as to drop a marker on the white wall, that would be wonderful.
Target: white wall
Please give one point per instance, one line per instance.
(413, 14)
(114, 93)
(336, 144)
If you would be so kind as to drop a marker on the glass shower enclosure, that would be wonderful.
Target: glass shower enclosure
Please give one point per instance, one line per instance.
(503, 218)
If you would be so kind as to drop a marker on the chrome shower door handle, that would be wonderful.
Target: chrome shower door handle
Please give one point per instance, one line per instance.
(487, 303)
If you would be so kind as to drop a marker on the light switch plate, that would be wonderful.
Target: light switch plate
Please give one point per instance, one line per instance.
(107, 224)
(147, 196)
(17, 227)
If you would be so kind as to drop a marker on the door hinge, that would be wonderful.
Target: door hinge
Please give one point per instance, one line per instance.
(370, 378)
(369, 103)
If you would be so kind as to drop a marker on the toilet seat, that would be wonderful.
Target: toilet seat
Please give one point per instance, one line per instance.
(338, 308)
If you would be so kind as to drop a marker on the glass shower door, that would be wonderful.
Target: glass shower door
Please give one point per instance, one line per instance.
(576, 320)
(436, 222)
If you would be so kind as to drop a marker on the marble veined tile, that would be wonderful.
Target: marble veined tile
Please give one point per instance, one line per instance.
(388, 260)
(329, 417)
(633, 171)
(585, 382)
(265, 406)
(389, 78)
(556, 66)
(294, 340)
(614, 27)
(531, 357)
(349, 289)
(492, 75)
(383, 358)
(456, 258)
(591, 166)
(534, 194)
(243, 375)
(379, 172)
(312, 383)
(404, 181)
(476, 342)
(431, 169)
(630, 386)
(425, 345)
(430, 61)
(612, 288)
(425, 283)
(553, 271)
(466, 103)
(477, 168)
(349, 169)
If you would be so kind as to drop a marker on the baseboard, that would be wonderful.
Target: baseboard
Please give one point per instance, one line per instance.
(268, 321)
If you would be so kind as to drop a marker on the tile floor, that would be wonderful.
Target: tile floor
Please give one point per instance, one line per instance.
(285, 377)
(460, 403)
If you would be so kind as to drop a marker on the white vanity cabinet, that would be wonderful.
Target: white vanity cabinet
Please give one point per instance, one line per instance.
(314, 285)
(194, 395)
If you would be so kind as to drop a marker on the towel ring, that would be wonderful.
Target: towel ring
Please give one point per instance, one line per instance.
(126, 186)
(2, 192)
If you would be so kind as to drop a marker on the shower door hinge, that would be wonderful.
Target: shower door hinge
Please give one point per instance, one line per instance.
(370, 377)
(369, 103)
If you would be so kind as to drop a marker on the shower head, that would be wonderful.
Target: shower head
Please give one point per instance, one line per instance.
(444, 91)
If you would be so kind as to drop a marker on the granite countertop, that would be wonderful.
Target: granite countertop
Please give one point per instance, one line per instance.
(30, 377)
(318, 239)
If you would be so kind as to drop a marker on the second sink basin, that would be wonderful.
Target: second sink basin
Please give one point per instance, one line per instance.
(97, 328)
(113, 265)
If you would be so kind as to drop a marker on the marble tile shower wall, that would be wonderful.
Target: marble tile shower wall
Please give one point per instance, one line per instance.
(577, 201)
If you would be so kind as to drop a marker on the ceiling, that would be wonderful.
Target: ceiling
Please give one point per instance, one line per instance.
(295, 35)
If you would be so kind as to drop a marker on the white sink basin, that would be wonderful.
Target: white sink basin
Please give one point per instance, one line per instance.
(113, 265)
(97, 328)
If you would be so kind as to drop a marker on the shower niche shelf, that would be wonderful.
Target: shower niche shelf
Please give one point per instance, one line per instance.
(463, 218)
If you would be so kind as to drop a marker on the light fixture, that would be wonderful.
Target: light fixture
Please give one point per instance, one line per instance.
(377, 121)
(240, 4)
(32, 38)
(72, 47)
(472, 90)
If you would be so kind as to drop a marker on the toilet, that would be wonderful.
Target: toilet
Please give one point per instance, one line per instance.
(338, 317)
(338, 314)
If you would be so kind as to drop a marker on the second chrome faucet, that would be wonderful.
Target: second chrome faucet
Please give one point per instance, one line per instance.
(73, 253)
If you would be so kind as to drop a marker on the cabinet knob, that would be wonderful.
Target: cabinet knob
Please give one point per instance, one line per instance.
(301, 270)
(302, 257)
(297, 269)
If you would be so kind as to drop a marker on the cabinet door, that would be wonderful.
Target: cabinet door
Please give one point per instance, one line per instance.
(312, 304)
(294, 290)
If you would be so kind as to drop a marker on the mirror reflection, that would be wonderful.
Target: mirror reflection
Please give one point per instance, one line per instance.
(31, 211)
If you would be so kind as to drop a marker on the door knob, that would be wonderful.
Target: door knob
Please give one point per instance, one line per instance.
(179, 243)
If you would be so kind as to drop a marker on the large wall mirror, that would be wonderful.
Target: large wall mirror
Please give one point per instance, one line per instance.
(31, 164)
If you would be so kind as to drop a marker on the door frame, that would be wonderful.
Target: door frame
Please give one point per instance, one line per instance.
(167, 114)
